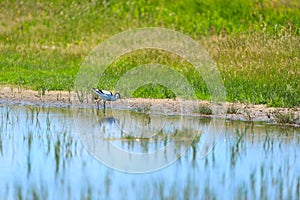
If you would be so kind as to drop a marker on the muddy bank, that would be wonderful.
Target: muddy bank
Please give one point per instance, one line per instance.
(235, 111)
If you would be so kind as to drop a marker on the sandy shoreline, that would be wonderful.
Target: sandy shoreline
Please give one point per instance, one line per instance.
(235, 111)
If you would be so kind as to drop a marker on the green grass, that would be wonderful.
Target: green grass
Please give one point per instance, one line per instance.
(285, 117)
(255, 44)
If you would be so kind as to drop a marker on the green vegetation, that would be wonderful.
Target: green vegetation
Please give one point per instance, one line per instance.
(205, 110)
(285, 117)
(232, 109)
(255, 44)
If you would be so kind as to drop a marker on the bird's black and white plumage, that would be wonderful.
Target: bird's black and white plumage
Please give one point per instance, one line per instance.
(106, 96)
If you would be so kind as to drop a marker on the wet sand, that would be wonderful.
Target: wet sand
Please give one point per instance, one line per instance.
(235, 111)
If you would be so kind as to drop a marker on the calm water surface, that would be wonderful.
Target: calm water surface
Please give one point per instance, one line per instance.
(42, 157)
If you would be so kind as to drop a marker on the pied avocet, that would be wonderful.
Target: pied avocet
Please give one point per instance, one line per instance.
(106, 96)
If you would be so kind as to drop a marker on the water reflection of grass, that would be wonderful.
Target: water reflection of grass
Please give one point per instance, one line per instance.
(181, 138)
(1, 142)
(266, 174)
(257, 161)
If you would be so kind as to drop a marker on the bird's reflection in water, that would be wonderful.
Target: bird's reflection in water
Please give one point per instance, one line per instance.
(130, 122)
(142, 132)
(108, 125)
(107, 120)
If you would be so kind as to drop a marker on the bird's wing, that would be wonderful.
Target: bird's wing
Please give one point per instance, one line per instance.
(97, 91)
(106, 92)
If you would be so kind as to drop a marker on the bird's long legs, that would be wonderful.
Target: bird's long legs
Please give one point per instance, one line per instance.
(104, 106)
(98, 105)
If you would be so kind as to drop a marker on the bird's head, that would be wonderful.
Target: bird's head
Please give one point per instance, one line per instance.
(117, 95)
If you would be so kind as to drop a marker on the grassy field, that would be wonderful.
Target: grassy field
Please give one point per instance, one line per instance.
(255, 44)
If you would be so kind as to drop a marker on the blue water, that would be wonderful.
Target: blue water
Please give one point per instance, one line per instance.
(42, 156)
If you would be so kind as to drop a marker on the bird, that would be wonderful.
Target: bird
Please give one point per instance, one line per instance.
(106, 96)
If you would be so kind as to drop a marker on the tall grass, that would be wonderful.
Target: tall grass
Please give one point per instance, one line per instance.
(255, 43)
(261, 68)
